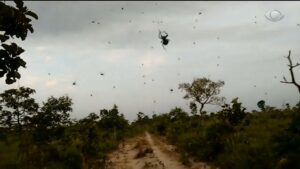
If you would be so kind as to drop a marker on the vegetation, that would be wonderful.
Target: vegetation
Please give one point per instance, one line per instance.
(14, 21)
(39, 136)
(291, 69)
(202, 91)
(34, 136)
(233, 138)
(45, 136)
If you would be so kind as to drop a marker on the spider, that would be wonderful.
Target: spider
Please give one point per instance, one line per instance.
(163, 36)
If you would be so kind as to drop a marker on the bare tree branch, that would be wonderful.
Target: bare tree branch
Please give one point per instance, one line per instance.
(297, 64)
(286, 82)
(291, 66)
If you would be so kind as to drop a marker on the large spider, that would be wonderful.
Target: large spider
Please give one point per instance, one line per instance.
(163, 36)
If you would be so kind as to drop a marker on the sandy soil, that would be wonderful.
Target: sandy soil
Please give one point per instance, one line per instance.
(148, 152)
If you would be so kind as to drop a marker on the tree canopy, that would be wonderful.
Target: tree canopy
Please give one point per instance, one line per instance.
(203, 91)
(17, 107)
(14, 22)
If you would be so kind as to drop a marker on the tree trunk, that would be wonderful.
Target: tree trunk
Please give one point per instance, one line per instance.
(201, 108)
(19, 123)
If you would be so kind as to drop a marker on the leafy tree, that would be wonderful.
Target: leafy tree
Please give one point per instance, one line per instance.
(13, 22)
(233, 114)
(46, 126)
(17, 107)
(262, 105)
(193, 107)
(203, 91)
(176, 123)
(112, 120)
(90, 136)
(50, 121)
(177, 114)
(142, 118)
(58, 108)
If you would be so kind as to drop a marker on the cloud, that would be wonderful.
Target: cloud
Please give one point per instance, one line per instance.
(30, 80)
(152, 60)
(71, 48)
(51, 83)
(117, 55)
(41, 48)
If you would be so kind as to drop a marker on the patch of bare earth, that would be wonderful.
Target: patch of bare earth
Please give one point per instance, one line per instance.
(170, 150)
(146, 152)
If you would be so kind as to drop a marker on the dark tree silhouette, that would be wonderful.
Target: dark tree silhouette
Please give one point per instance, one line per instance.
(113, 120)
(13, 22)
(17, 107)
(291, 67)
(262, 105)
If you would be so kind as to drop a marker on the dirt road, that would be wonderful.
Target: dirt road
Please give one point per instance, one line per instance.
(148, 152)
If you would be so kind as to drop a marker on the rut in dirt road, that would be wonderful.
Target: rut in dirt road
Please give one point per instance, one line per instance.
(147, 152)
(164, 158)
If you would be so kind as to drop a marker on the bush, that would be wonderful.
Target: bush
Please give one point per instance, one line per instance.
(72, 158)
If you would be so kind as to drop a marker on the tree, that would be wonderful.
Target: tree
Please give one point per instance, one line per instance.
(17, 107)
(203, 91)
(112, 120)
(177, 114)
(50, 121)
(233, 114)
(142, 118)
(193, 107)
(13, 22)
(291, 67)
(262, 105)
(90, 136)
(58, 108)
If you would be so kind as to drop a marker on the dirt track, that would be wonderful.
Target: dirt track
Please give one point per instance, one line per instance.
(148, 152)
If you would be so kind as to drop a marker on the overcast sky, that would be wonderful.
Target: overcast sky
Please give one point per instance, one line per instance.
(229, 41)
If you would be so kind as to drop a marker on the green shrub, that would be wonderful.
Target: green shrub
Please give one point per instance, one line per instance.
(72, 158)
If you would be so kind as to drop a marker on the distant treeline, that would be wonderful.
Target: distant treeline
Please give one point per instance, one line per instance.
(34, 136)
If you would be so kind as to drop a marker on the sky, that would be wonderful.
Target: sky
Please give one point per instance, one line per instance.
(229, 41)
